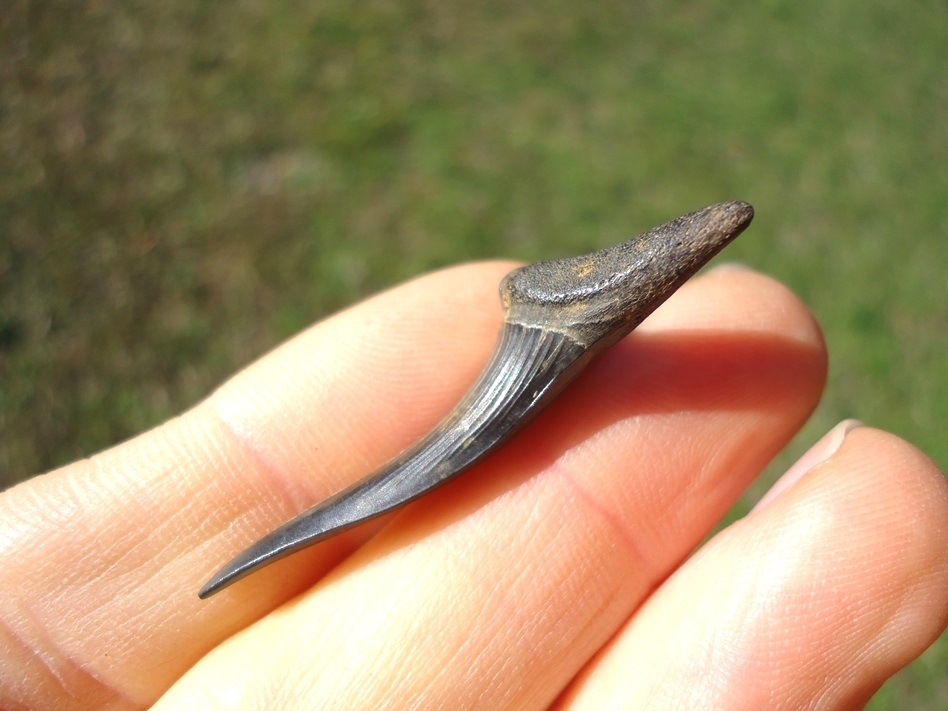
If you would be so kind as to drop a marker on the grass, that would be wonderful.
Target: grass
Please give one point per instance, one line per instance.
(182, 187)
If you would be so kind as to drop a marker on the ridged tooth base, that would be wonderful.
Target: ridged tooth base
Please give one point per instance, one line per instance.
(529, 367)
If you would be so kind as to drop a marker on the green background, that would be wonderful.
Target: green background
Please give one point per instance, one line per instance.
(183, 185)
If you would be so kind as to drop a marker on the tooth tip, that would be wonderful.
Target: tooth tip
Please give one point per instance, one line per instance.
(220, 581)
(247, 562)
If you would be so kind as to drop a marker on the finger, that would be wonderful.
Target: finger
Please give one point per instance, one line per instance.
(496, 589)
(810, 602)
(101, 561)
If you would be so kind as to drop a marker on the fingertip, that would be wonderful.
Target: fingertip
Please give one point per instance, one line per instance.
(910, 482)
(736, 297)
(885, 503)
(815, 600)
(825, 448)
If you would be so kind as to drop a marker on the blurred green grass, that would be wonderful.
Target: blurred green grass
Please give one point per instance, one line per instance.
(183, 186)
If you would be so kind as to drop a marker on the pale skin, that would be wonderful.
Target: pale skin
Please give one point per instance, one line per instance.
(555, 574)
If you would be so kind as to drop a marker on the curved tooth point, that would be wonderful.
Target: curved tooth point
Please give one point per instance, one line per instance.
(559, 315)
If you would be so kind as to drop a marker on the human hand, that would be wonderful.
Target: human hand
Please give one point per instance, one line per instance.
(556, 573)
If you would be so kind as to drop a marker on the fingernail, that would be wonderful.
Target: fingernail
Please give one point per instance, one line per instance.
(815, 455)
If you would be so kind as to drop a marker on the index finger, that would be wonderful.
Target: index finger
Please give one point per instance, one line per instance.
(102, 559)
